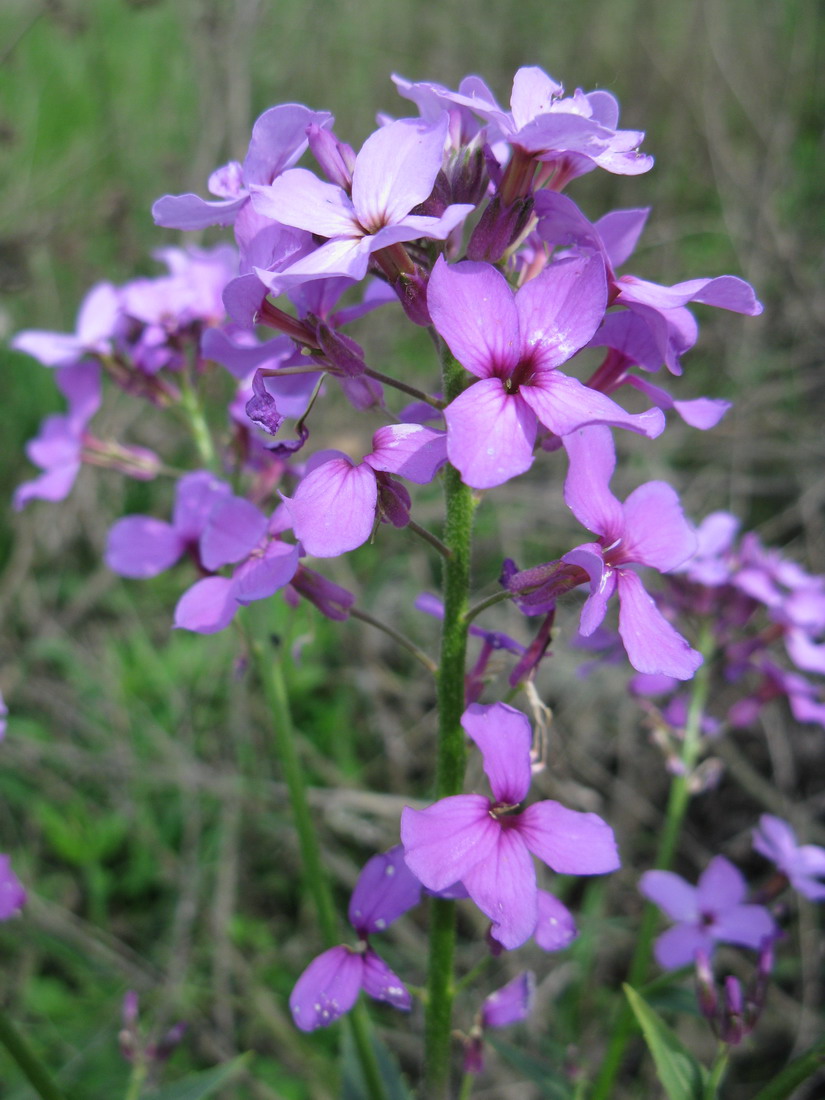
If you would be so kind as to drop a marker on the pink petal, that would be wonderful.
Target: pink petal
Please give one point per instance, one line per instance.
(720, 886)
(555, 928)
(386, 888)
(445, 841)
(472, 307)
(655, 529)
(504, 737)
(602, 584)
(620, 231)
(560, 310)
(396, 169)
(671, 893)
(327, 989)
(570, 842)
(651, 643)
(192, 212)
(746, 925)
(333, 509)
(263, 575)
(503, 886)
(233, 530)
(141, 547)
(563, 404)
(207, 607)
(410, 450)
(382, 983)
(490, 434)
(592, 458)
(195, 497)
(680, 944)
(298, 198)
(510, 1004)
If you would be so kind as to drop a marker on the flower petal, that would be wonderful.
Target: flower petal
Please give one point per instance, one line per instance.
(234, 528)
(445, 841)
(560, 310)
(651, 643)
(410, 450)
(504, 737)
(720, 886)
(503, 886)
(555, 928)
(563, 404)
(333, 509)
(386, 888)
(510, 1004)
(490, 434)
(395, 170)
(207, 607)
(671, 893)
(655, 529)
(472, 307)
(592, 456)
(262, 576)
(679, 945)
(384, 984)
(141, 547)
(570, 842)
(327, 989)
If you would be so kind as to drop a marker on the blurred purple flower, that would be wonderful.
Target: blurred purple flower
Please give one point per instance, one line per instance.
(508, 1005)
(12, 894)
(709, 913)
(803, 865)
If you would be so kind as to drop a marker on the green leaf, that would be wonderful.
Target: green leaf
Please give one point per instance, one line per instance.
(551, 1084)
(200, 1084)
(352, 1083)
(682, 1077)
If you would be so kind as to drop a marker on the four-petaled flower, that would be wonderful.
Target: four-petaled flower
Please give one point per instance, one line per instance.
(514, 344)
(803, 864)
(713, 911)
(483, 844)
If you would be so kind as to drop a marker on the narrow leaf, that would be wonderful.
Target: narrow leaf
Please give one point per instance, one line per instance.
(682, 1077)
(794, 1074)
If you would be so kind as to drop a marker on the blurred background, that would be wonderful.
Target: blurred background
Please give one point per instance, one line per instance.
(136, 794)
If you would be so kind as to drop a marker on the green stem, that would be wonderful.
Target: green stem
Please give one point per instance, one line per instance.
(451, 749)
(411, 647)
(466, 1089)
(199, 427)
(270, 668)
(136, 1081)
(269, 664)
(717, 1072)
(27, 1061)
(680, 792)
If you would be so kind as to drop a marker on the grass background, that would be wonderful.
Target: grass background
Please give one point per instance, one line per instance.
(137, 791)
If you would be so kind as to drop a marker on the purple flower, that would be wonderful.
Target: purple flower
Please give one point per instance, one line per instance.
(574, 133)
(508, 1005)
(394, 172)
(330, 985)
(709, 913)
(58, 448)
(803, 865)
(334, 507)
(12, 894)
(96, 323)
(648, 529)
(513, 344)
(662, 308)
(481, 843)
(279, 137)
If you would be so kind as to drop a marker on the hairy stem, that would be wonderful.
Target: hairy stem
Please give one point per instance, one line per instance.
(451, 750)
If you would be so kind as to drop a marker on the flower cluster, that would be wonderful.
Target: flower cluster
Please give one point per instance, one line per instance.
(456, 217)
